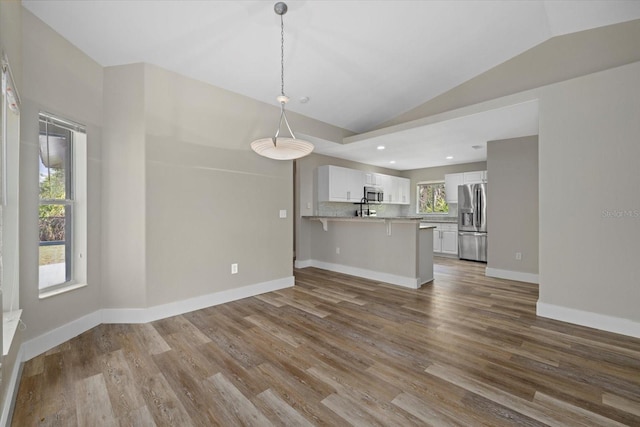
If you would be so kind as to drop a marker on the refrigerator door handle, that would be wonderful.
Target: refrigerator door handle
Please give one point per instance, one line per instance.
(480, 204)
(476, 216)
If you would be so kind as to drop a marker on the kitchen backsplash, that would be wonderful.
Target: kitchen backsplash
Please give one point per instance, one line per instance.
(349, 209)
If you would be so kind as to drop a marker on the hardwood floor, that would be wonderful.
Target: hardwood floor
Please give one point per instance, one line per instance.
(336, 350)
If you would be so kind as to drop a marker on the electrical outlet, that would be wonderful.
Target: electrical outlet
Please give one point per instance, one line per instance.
(309, 205)
(338, 251)
(519, 256)
(234, 268)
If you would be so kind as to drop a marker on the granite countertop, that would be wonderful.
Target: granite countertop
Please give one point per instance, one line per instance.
(448, 220)
(414, 218)
(425, 227)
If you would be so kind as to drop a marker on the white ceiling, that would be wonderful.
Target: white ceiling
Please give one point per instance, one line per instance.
(430, 145)
(360, 63)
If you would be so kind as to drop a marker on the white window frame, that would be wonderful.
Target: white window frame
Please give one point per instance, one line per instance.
(423, 183)
(9, 199)
(78, 203)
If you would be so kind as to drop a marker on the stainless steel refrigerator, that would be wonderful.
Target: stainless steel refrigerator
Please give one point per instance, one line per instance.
(472, 222)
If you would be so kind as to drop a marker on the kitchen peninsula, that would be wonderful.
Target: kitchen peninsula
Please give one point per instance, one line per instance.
(396, 250)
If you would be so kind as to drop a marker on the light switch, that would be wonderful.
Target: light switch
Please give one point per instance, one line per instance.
(283, 213)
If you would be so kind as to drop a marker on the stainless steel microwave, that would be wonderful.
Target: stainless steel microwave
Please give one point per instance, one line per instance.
(373, 194)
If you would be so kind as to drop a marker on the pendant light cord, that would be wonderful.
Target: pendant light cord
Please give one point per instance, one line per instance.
(282, 55)
(283, 115)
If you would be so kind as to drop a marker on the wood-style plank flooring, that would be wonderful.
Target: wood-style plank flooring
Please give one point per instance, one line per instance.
(336, 350)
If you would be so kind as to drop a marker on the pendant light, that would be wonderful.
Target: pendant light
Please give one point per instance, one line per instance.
(282, 148)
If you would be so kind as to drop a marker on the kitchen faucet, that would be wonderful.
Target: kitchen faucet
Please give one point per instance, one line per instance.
(363, 201)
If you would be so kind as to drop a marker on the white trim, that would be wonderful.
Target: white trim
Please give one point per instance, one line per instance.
(303, 264)
(603, 322)
(48, 340)
(10, 322)
(407, 282)
(144, 315)
(57, 336)
(60, 290)
(512, 275)
(12, 389)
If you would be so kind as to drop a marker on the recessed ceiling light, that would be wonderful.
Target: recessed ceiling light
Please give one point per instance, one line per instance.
(449, 157)
(304, 99)
(381, 147)
(392, 161)
(476, 147)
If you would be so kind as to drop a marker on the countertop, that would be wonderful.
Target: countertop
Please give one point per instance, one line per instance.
(441, 220)
(365, 218)
(446, 220)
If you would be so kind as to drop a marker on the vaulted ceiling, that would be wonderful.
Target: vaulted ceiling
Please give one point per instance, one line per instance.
(359, 63)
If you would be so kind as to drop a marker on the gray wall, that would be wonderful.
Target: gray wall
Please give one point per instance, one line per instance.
(366, 245)
(210, 200)
(589, 199)
(512, 211)
(175, 193)
(60, 79)
(123, 188)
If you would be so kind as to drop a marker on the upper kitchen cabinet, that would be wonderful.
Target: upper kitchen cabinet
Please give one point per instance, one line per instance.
(476, 177)
(396, 190)
(453, 180)
(373, 179)
(401, 190)
(451, 183)
(337, 184)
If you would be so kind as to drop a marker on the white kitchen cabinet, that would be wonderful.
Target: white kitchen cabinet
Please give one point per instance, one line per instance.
(445, 238)
(437, 242)
(404, 191)
(387, 187)
(373, 179)
(453, 180)
(451, 183)
(396, 190)
(449, 240)
(337, 184)
(475, 177)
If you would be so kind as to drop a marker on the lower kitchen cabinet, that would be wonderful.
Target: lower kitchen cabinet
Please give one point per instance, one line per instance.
(445, 238)
(449, 241)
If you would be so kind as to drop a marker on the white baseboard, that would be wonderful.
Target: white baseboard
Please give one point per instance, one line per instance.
(302, 264)
(407, 282)
(512, 275)
(12, 389)
(145, 315)
(592, 320)
(57, 336)
(48, 340)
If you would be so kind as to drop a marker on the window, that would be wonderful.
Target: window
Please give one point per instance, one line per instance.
(432, 198)
(62, 209)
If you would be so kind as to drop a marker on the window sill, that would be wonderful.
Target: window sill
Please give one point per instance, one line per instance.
(10, 322)
(58, 291)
